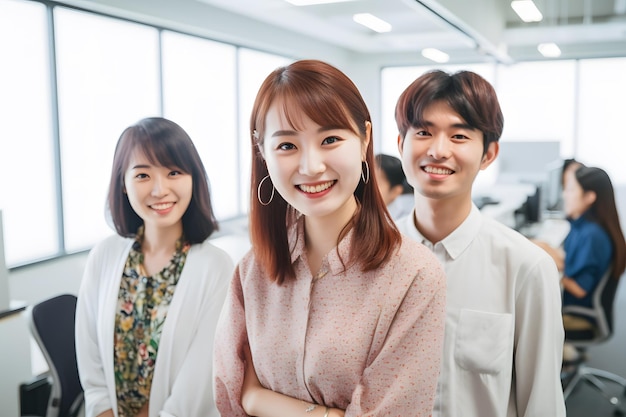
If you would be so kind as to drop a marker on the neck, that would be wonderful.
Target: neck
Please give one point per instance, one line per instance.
(322, 233)
(161, 240)
(436, 219)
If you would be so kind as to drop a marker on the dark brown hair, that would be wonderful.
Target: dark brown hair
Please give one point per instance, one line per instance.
(467, 93)
(329, 98)
(166, 144)
(604, 211)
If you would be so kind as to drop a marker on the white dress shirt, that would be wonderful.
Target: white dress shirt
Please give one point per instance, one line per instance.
(504, 333)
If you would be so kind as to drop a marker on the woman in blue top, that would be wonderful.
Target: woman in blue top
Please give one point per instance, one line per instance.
(595, 241)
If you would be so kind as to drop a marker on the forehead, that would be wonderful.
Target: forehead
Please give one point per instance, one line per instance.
(440, 110)
(139, 157)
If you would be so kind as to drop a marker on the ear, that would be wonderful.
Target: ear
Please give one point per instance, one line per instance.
(492, 152)
(396, 191)
(589, 197)
(400, 144)
(366, 142)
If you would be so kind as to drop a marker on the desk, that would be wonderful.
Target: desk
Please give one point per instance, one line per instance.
(510, 197)
(553, 231)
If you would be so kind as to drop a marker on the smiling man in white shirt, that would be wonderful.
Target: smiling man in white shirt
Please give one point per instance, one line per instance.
(504, 333)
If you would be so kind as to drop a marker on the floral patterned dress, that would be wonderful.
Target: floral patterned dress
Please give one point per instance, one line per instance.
(143, 302)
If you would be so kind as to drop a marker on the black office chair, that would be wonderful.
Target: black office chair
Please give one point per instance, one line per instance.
(601, 314)
(52, 326)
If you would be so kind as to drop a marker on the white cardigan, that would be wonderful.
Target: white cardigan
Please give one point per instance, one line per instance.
(182, 382)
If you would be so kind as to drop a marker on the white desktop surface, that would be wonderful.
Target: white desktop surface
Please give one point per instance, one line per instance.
(511, 196)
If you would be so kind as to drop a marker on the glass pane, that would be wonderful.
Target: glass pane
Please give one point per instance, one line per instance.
(108, 79)
(28, 194)
(601, 110)
(538, 101)
(254, 67)
(199, 93)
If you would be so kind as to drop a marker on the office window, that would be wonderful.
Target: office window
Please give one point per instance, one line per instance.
(28, 197)
(199, 93)
(108, 78)
(601, 114)
(394, 80)
(254, 67)
(538, 102)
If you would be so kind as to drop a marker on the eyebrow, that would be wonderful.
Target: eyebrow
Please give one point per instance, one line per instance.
(467, 126)
(141, 166)
(294, 132)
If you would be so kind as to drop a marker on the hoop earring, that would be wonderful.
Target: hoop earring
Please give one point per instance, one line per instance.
(365, 178)
(258, 192)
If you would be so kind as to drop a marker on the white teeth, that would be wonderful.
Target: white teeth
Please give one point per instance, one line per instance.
(162, 206)
(439, 171)
(316, 188)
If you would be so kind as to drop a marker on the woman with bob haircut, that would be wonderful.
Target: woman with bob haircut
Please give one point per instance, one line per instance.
(156, 287)
(332, 312)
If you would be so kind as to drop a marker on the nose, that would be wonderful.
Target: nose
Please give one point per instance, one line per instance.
(159, 186)
(311, 162)
(440, 147)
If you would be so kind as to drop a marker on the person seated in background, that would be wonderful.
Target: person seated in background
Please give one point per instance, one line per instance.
(151, 293)
(570, 166)
(594, 244)
(595, 241)
(396, 191)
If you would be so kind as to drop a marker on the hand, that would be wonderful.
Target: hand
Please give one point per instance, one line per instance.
(251, 386)
(144, 411)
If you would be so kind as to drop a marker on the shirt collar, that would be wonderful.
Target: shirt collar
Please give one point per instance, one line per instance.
(457, 241)
(584, 218)
(333, 258)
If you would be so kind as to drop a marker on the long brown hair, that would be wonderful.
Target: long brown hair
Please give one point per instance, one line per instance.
(604, 212)
(329, 98)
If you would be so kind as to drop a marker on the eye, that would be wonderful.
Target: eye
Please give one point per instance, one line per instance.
(286, 146)
(141, 176)
(330, 140)
(460, 136)
(175, 173)
(422, 133)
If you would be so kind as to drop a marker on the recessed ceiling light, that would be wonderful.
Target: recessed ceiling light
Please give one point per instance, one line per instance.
(435, 55)
(370, 21)
(313, 2)
(549, 50)
(526, 10)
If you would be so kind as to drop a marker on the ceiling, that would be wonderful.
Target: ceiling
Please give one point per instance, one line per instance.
(468, 30)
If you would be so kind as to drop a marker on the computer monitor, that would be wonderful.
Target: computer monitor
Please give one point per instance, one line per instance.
(522, 161)
(554, 186)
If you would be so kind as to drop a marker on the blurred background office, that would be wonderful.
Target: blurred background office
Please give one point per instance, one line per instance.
(75, 72)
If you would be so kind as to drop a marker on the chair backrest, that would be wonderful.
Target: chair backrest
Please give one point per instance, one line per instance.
(601, 313)
(52, 326)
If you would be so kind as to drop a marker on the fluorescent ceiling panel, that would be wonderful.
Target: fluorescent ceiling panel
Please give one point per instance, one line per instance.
(435, 55)
(549, 50)
(372, 22)
(526, 10)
